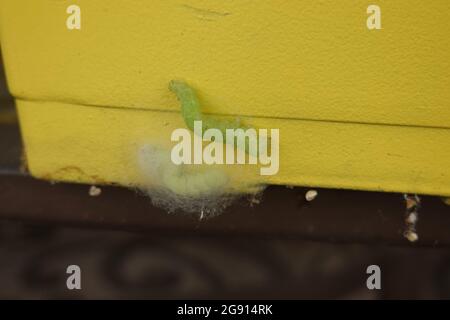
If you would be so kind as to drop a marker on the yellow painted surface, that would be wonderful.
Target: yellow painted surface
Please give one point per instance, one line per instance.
(92, 145)
(356, 108)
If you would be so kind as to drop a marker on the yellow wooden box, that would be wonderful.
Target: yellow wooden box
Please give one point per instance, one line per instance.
(356, 108)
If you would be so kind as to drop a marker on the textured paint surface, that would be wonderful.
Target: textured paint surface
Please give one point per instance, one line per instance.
(281, 64)
(295, 59)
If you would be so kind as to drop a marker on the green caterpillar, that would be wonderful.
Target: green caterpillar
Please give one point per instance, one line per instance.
(191, 111)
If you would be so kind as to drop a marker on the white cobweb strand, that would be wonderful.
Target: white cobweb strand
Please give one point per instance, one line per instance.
(202, 194)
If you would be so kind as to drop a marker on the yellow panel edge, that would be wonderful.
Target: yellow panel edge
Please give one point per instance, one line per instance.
(97, 145)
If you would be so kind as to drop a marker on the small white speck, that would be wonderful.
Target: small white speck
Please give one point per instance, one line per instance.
(412, 218)
(411, 236)
(95, 191)
(311, 195)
